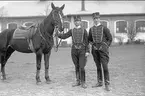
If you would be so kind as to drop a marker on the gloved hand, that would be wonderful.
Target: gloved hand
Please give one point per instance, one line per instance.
(87, 54)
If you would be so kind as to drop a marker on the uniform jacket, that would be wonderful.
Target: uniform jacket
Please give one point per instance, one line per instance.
(79, 38)
(100, 36)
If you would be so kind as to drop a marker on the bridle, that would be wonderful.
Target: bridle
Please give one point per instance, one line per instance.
(55, 19)
(55, 36)
(56, 30)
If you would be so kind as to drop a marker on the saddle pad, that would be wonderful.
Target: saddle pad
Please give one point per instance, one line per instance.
(23, 34)
(20, 34)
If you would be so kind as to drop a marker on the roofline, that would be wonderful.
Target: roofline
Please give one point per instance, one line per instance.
(84, 14)
(38, 16)
(120, 14)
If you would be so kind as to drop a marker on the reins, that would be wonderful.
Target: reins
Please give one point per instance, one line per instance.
(41, 35)
(56, 32)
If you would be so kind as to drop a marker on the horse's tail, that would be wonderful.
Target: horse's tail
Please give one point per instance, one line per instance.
(5, 37)
(3, 40)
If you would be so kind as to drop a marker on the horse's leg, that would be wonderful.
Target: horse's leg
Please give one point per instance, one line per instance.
(38, 66)
(46, 62)
(9, 52)
(4, 60)
(3, 66)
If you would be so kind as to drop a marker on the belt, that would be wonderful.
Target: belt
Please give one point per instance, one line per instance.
(78, 46)
(97, 46)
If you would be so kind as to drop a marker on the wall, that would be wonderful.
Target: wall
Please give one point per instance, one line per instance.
(18, 20)
(110, 18)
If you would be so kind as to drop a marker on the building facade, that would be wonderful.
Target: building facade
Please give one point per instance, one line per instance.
(122, 26)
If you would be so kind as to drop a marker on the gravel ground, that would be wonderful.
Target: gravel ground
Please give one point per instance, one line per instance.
(127, 74)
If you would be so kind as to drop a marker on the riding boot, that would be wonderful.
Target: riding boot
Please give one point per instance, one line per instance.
(107, 80)
(107, 83)
(83, 79)
(77, 83)
(99, 78)
(107, 87)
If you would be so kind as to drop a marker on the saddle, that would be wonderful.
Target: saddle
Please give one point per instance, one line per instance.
(25, 27)
(25, 33)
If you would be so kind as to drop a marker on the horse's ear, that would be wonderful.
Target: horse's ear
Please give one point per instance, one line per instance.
(62, 7)
(52, 6)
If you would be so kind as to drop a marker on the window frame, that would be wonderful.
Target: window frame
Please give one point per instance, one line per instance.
(135, 24)
(87, 23)
(107, 22)
(0, 27)
(69, 24)
(10, 23)
(116, 24)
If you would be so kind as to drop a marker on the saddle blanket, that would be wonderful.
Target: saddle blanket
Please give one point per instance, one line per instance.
(20, 34)
(24, 33)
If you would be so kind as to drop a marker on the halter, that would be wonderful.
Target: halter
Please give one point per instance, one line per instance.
(55, 21)
(56, 32)
(56, 29)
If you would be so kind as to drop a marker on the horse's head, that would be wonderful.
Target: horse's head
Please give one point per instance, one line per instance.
(57, 15)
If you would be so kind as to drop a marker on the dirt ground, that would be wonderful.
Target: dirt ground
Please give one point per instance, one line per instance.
(127, 74)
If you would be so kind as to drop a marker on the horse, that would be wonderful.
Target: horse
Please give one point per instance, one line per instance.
(40, 39)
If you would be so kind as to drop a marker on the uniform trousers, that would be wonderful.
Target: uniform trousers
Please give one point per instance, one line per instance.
(101, 58)
(79, 59)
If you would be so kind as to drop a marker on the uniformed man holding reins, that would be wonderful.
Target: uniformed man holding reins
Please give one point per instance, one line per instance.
(79, 50)
(100, 38)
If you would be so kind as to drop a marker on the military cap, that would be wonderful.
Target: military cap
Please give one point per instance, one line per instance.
(96, 15)
(77, 18)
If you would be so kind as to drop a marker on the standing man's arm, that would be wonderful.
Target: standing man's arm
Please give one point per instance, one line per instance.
(90, 39)
(86, 41)
(108, 36)
(65, 35)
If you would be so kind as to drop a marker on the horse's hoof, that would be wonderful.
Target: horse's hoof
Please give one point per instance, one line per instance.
(3, 78)
(39, 83)
(6, 81)
(48, 81)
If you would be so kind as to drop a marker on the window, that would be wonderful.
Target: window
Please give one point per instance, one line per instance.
(0, 27)
(140, 26)
(121, 27)
(28, 24)
(66, 25)
(85, 24)
(104, 23)
(12, 26)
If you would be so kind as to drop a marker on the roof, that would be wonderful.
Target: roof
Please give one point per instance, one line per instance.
(83, 14)
(115, 14)
(32, 8)
(19, 17)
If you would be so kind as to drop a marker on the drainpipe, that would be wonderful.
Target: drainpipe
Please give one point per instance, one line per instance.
(83, 5)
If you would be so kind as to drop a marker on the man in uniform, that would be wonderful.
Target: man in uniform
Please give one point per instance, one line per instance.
(79, 50)
(100, 38)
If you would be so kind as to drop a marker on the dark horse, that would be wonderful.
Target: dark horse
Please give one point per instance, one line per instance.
(42, 40)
